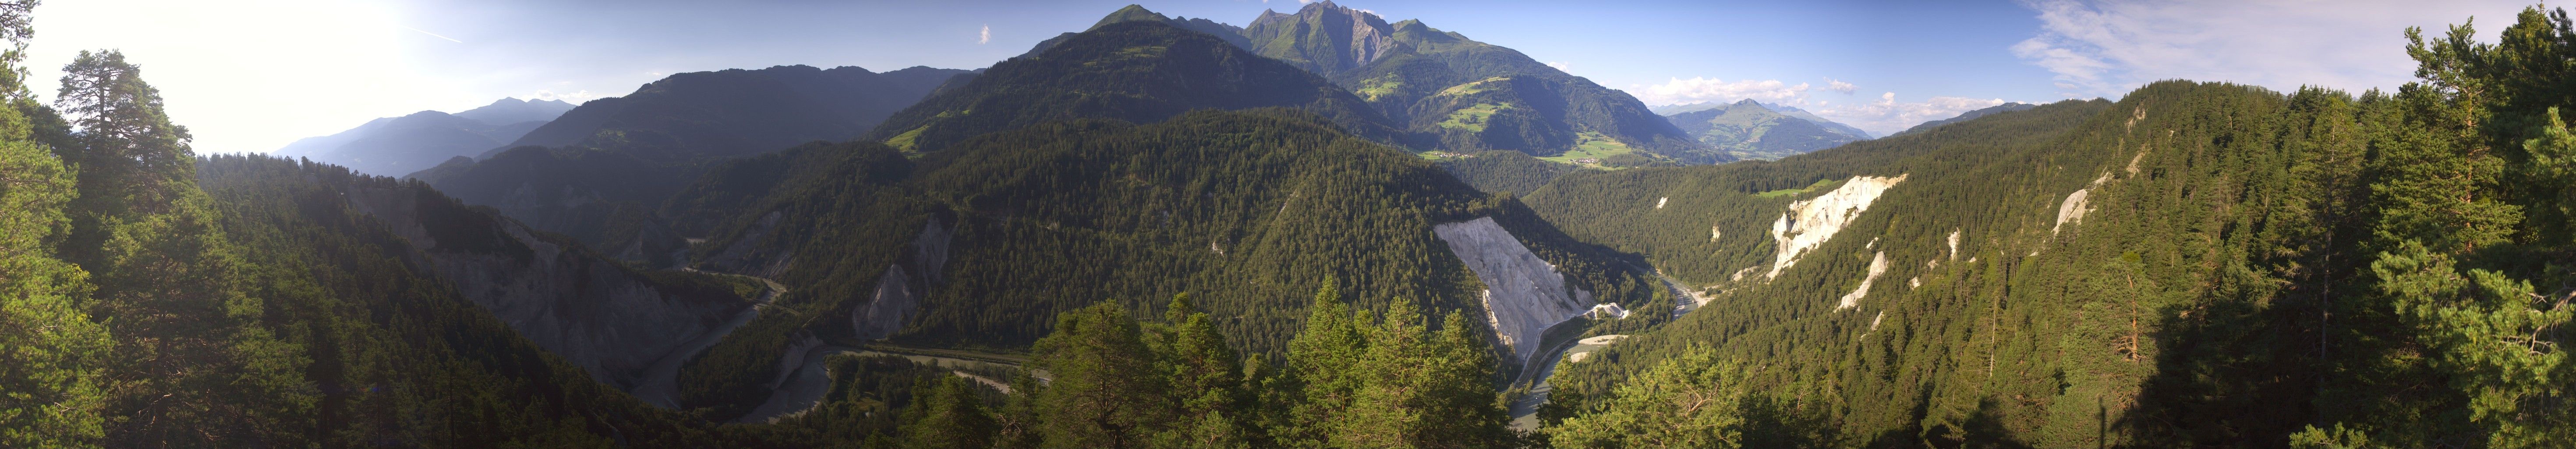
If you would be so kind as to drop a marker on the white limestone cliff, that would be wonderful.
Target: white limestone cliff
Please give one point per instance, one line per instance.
(1877, 266)
(1810, 223)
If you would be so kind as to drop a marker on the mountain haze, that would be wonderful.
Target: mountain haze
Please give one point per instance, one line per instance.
(600, 171)
(731, 113)
(1752, 130)
(396, 146)
(513, 111)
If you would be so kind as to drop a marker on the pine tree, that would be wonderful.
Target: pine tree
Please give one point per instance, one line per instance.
(1387, 408)
(196, 368)
(1321, 362)
(50, 350)
(51, 384)
(1205, 378)
(1692, 401)
(1017, 424)
(946, 414)
(1107, 392)
(1460, 389)
(2496, 337)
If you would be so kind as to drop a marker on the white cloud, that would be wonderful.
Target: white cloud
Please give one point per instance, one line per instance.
(1840, 86)
(1560, 66)
(1697, 89)
(1887, 116)
(986, 36)
(2108, 47)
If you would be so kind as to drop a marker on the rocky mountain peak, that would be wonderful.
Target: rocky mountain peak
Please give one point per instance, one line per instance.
(1357, 37)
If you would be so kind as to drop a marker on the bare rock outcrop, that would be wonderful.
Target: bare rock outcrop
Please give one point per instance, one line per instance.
(899, 291)
(1810, 223)
(1524, 295)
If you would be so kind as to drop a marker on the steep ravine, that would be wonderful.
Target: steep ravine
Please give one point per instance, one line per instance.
(801, 380)
(608, 319)
(660, 383)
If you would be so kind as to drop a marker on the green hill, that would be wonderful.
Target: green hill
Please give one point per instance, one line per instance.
(730, 113)
(1966, 116)
(1466, 95)
(600, 171)
(1134, 70)
(976, 246)
(1751, 130)
(2194, 265)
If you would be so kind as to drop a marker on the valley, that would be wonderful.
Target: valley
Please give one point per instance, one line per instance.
(1318, 229)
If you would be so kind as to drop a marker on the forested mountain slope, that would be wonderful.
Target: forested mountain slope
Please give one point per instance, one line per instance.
(597, 314)
(155, 299)
(1448, 92)
(1715, 221)
(738, 112)
(2194, 265)
(1966, 116)
(1505, 171)
(1470, 96)
(1134, 70)
(600, 171)
(976, 246)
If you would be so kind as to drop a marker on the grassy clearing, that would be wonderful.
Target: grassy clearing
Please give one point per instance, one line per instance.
(1472, 118)
(1590, 149)
(907, 140)
(1380, 86)
(1471, 88)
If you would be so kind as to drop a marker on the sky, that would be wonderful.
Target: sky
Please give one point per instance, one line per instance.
(252, 76)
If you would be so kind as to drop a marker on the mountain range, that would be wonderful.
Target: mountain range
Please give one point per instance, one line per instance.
(1448, 92)
(395, 146)
(1753, 130)
(1317, 230)
(600, 171)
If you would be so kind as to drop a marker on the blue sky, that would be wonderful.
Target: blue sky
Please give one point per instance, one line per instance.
(253, 76)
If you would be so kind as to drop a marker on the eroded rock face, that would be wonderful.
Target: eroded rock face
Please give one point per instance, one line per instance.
(747, 256)
(2077, 204)
(591, 311)
(1877, 266)
(899, 290)
(1811, 222)
(1523, 294)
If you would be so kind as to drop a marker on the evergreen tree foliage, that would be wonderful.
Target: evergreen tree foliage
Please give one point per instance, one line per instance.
(947, 414)
(1691, 401)
(1106, 392)
(2255, 269)
(1238, 208)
